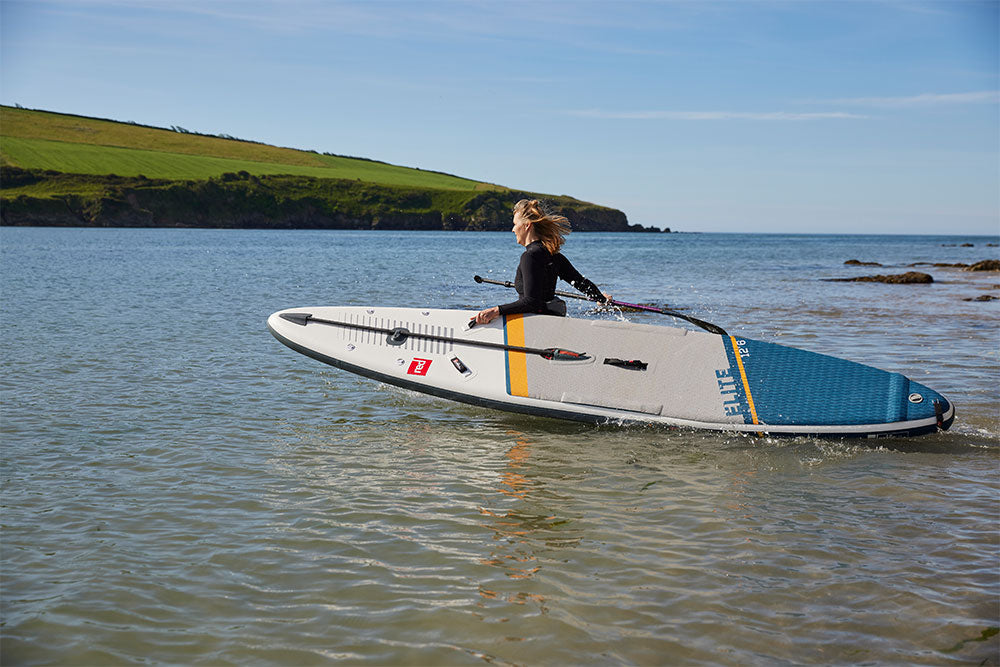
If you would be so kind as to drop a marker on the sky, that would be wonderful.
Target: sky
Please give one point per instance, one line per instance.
(856, 116)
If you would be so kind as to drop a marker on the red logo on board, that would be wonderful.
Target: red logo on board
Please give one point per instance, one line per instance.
(418, 367)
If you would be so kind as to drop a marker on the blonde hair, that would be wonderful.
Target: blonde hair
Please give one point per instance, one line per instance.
(550, 227)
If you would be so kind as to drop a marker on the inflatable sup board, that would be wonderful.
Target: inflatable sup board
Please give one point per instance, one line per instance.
(615, 372)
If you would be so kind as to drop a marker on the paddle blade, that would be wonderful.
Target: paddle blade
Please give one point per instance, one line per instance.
(708, 326)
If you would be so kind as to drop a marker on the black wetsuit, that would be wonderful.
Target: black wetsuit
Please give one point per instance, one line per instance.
(536, 278)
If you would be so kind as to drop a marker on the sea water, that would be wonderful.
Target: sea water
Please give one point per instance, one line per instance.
(180, 488)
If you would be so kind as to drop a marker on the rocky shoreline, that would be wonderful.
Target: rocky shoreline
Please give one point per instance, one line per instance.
(920, 278)
(984, 265)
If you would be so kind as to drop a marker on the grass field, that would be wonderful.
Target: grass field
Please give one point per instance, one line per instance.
(72, 144)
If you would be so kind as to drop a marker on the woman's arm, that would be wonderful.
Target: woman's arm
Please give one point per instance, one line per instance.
(569, 273)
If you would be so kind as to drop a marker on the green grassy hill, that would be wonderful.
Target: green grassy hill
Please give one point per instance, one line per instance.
(74, 144)
(59, 169)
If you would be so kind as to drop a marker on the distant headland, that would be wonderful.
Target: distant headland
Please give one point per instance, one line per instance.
(65, 170)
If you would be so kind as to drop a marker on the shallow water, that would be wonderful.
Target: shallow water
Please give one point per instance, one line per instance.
(178, 487)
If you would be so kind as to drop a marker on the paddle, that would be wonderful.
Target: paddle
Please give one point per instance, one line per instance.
(398, 336)
(707, 326)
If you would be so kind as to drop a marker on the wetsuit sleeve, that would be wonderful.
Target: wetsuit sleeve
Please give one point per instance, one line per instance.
(532, 270)
(569, 273)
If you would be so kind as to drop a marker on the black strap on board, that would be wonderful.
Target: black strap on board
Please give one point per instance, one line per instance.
(399, 335)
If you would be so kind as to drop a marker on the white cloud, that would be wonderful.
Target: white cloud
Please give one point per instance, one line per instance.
(714, 115)
(927, 99)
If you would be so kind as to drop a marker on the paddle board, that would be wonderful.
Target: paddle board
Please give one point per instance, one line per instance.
(615, 372)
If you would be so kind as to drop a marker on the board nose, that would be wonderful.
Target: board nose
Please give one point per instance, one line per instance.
(922, 402)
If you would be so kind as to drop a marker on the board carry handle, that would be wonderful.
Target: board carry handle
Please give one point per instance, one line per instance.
(634, 364)
(707, 326)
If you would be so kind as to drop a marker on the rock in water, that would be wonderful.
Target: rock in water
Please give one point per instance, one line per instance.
(985, 265)
(908, 278)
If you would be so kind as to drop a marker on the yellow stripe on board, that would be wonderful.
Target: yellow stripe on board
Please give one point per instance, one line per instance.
(743, 374)
(517, 362)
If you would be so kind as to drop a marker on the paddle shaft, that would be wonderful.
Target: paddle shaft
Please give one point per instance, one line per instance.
(399, 335)
(707, 326)
(507, 283)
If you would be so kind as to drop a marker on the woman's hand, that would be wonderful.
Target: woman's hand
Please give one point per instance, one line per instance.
(607, 298)
(488, 315)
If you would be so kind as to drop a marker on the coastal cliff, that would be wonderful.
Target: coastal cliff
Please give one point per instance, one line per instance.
(243, 200)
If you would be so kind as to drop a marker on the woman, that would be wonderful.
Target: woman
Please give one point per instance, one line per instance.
(542, 235)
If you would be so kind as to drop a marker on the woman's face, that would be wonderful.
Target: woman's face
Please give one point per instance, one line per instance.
(522, 227)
